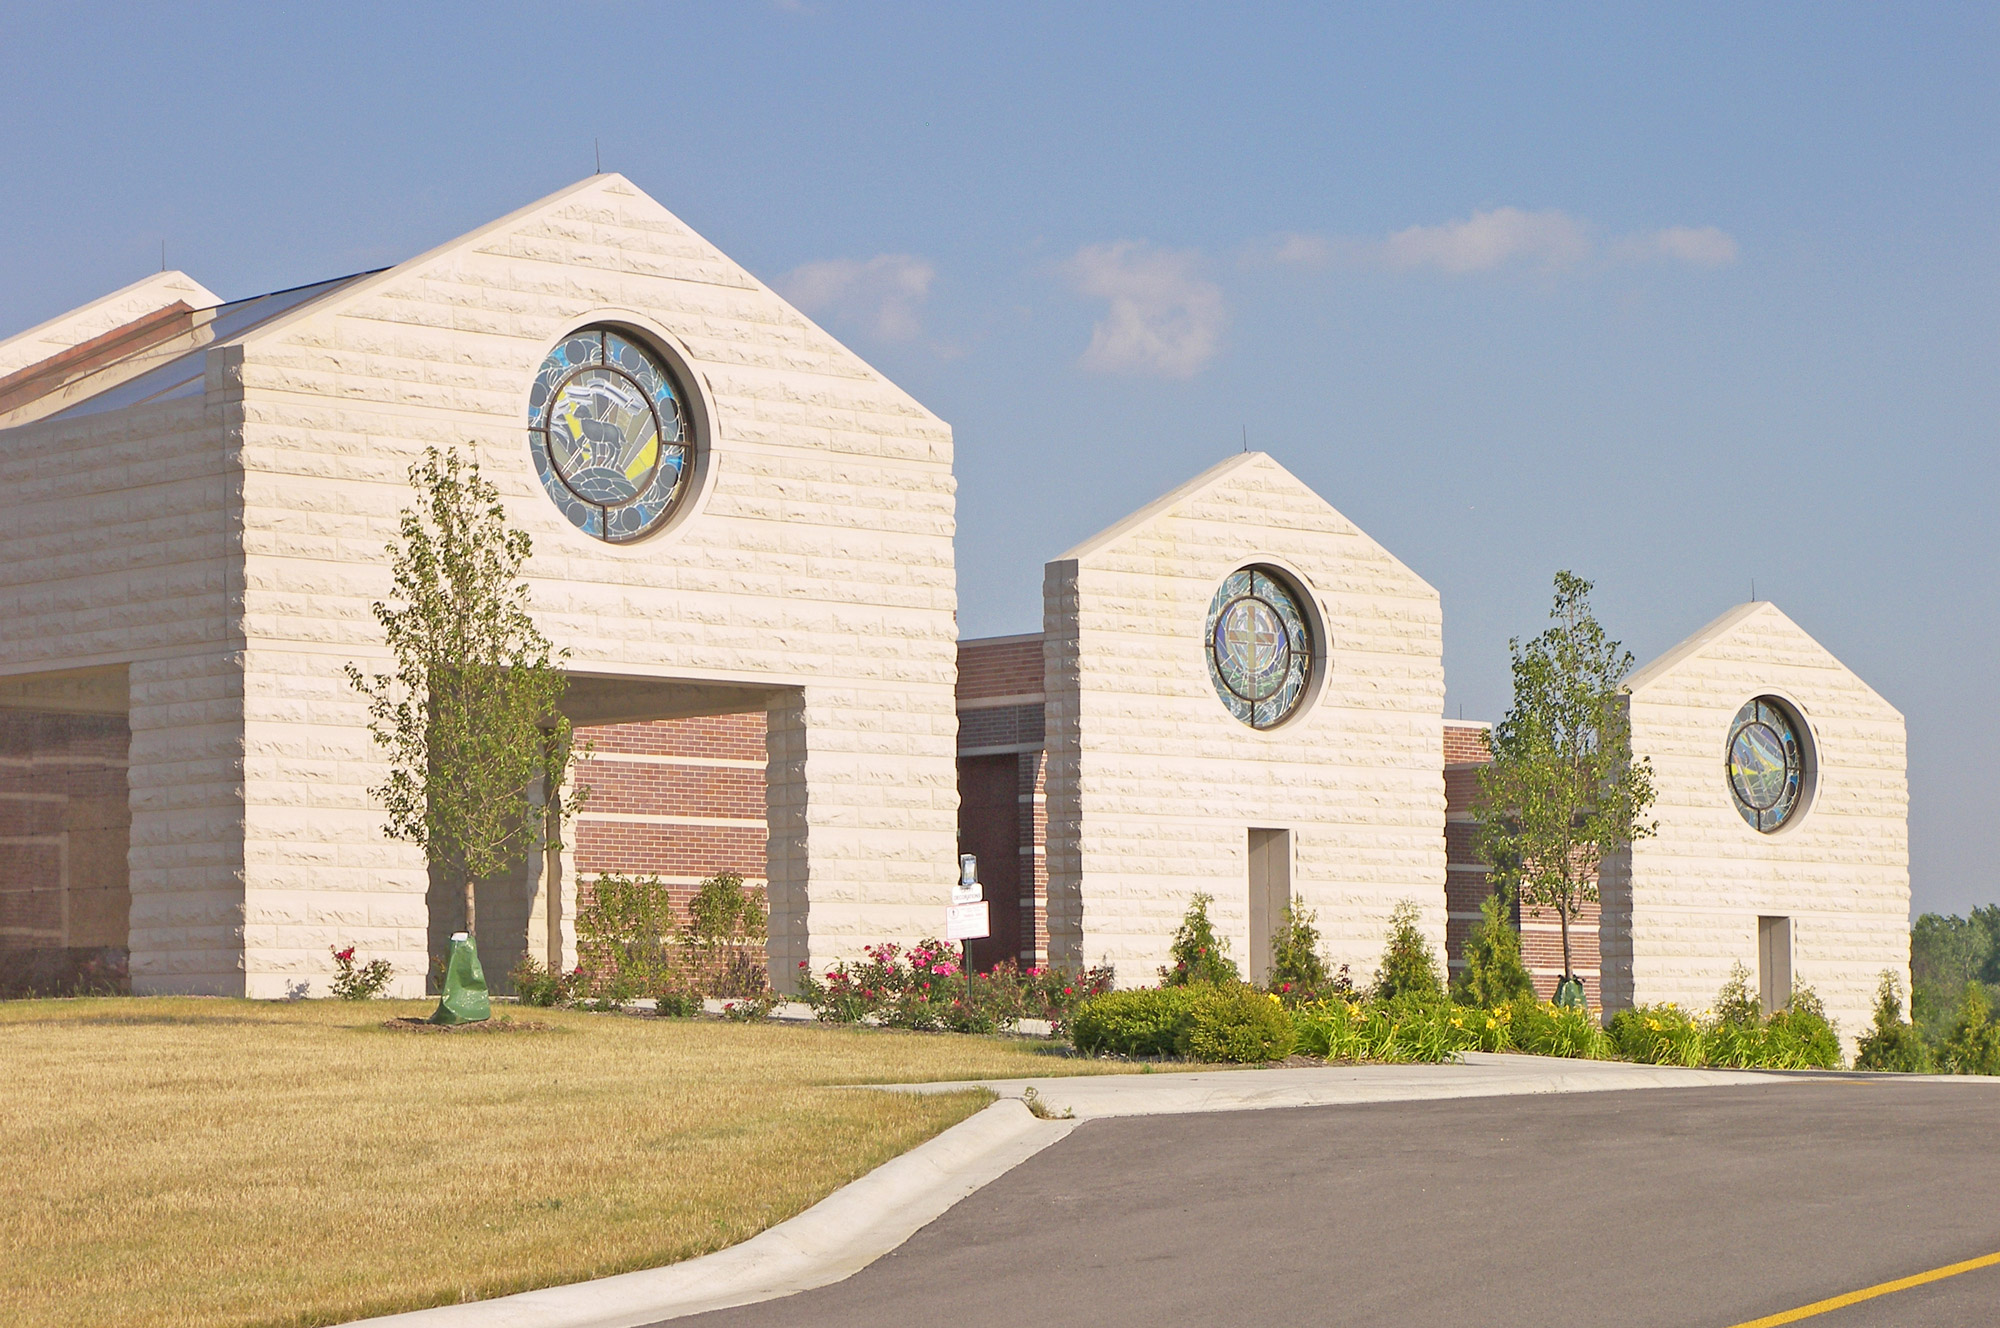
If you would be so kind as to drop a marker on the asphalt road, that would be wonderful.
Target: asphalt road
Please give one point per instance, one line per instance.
(1676, 1208)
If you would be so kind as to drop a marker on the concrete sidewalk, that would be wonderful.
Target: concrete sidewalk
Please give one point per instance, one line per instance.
(1481, 1074)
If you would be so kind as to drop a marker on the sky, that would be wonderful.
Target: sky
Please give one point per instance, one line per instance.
(1693, 300)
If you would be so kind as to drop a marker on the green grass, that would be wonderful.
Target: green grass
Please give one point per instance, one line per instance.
(193, 1162)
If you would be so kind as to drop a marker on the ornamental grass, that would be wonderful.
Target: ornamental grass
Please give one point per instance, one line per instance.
(191, 1163)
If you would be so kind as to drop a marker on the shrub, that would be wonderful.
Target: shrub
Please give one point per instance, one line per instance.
(537, 985)
(1408, 1028)
(1658, 1035)
(750, 1009)
(1199, 954)
(675, 996)
(1236, 1023)
(1298, 974)
(1800, 1036)
(358, 984)
(722, 942)
(1892, 1044)
(1053, 993)
(1542, 1029)
(625, 935)
(1409, 965)
(1493, 974)
(1734, 1005)
(1973, 1046)
(1144, 1022)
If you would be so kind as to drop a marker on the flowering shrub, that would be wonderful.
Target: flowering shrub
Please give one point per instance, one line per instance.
(1799, 1037)
(925, 988)
(358, 984)
(1658, 1035)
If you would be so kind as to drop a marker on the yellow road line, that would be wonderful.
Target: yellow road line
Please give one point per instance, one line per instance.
(1869, 1293)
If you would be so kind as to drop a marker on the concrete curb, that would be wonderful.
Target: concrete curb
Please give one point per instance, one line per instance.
(859, 1223)
(834, 1239)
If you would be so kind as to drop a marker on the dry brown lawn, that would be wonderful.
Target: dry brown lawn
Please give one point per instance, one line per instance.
(179, 1162)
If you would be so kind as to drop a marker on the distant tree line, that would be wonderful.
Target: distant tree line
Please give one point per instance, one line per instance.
(1948, 953)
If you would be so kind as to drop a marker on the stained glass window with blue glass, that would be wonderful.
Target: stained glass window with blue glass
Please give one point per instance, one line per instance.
(609, 435)
(1260, 646)
(1767, 763)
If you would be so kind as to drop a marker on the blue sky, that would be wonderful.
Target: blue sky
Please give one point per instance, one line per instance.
(1676, 297)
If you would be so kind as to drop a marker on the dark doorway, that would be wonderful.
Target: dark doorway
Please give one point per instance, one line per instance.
(989, 826)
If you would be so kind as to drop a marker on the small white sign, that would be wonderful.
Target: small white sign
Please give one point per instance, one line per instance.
(966, 922)
(965, 894)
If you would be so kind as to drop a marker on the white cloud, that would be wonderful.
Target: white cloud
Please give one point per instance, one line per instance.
(1696, 246)
(1164, 320)
(883, 294)
(1486, 240)
(1549, 241)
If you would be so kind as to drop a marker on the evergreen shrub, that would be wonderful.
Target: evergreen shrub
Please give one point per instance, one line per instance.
(1199, 954)
(1298, 974)
(1892, 1044)
(1409, 966)
(1973, 1045)
(1493, 974)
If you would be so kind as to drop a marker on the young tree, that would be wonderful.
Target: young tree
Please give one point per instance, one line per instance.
(470, 718)
(1563, 792)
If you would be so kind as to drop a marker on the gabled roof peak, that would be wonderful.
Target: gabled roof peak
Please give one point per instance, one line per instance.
(1208, 479)
(105, 314)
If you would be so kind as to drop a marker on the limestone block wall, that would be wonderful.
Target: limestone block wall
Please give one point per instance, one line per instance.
(1680, 908)
(815, 560)
(1152, 785)
(118, 534)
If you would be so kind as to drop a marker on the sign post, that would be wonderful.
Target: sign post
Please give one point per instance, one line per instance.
(966, 920)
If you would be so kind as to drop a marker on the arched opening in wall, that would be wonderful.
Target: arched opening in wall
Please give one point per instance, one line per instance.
(65, 833)
(678, 797)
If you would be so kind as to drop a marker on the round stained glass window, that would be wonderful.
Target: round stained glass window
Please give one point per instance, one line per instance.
(1260, 647)
(608, 429)
(1767, 764)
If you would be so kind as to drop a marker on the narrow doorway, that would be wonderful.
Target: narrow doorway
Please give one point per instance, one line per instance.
(1774, 963)
(1270, 896)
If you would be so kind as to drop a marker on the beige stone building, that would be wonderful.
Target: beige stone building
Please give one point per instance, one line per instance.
(730, 511)
(1783, 837)
(1236, 692)
(743, 539)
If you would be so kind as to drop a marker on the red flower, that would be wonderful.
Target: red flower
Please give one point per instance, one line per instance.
(345, 956)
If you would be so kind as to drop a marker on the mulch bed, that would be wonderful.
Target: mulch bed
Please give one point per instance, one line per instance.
(500, 1025)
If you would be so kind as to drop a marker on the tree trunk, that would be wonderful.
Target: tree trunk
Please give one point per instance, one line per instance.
(469, 905)
(1563, 915)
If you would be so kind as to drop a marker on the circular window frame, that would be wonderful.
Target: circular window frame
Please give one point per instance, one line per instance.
(698, 422)
(1806, 743)
(1318, 661)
